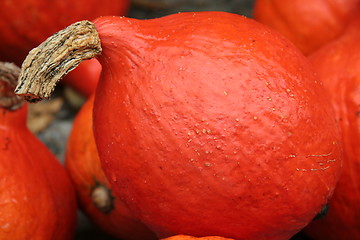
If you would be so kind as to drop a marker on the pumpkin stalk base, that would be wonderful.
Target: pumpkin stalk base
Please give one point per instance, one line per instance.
(102, 199)
(55, 57)
(9, 74)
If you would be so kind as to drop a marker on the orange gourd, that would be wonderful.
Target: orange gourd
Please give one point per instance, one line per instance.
(338, 66)
(206, 123)
(185, 237)
(25, 24)
(308, 24)
(37, 197)
(94, 193)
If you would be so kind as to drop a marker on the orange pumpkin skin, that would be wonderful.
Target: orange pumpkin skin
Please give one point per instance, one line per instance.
(83, 165)
(338, 65)
(185, 237)
(308, 24)
(25, 24)
(213, 125)
(37, 197)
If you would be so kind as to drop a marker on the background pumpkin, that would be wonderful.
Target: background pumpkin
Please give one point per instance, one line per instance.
(338, 66)
(308, 24)
(25, 24)
(185, 237)
(94, 193)
(37, 199)
(181, 142)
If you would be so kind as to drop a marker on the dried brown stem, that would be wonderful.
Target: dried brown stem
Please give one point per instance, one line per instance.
(55, 57)
(9, 74)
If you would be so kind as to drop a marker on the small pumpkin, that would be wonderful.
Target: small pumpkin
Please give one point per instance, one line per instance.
(308, 24)
(25, 24)
(37, 197)
(206, 123)
(338, 66)
(185, 237)
(94, 193)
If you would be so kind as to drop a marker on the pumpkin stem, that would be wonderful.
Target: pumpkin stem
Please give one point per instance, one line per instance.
(9, 74)
(102, 198)
(55, 57)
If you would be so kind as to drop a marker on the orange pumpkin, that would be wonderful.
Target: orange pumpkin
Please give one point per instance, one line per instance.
(94, 193)
(338, 66)
(185, 237)
(206, 123)
(308, 24)
(37, 199)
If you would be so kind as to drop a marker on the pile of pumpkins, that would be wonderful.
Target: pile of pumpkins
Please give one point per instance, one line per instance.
(197, 125)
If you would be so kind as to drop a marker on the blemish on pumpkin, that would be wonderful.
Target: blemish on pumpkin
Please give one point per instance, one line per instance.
(102, 198)
(5, 226)
(197, 152)
(319, 155)
(331, 160)
(113, 178)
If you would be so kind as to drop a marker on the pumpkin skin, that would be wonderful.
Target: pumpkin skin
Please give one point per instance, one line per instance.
(338, 66)
(83, 165)
(37, 197)
(25, 25)
(308, 24)
(213, 125)
(184, 237)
